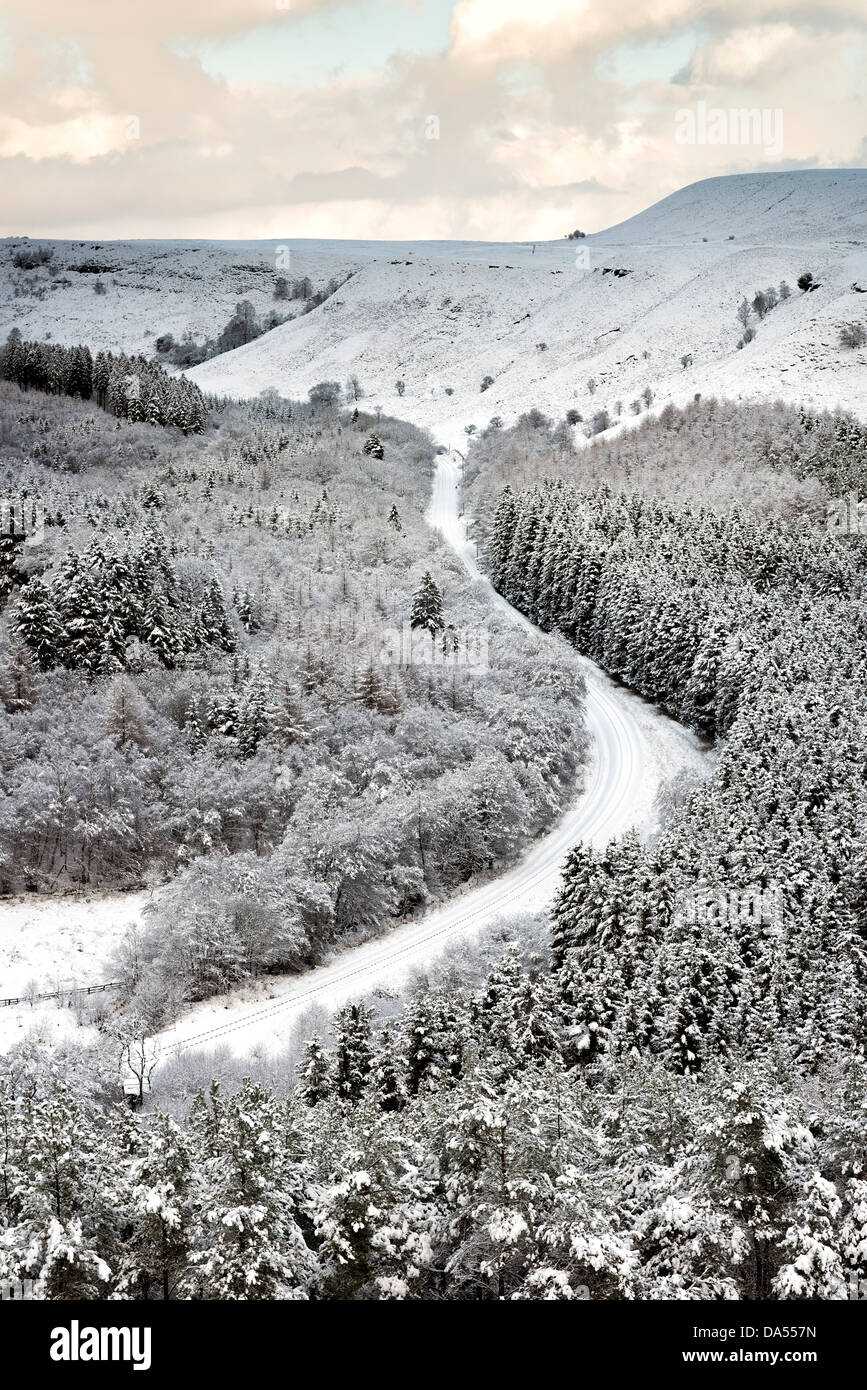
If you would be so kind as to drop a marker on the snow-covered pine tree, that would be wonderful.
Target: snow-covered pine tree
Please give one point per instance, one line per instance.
(18, 686)
(315, 1081)
(38, 623)
(373, 447)
(353, 1054)
(158, 1178)
(255, 713)
(427, 606)
(572, 914)
(370, 689)
(214, 617)
(245, 1229)
(387, 1077)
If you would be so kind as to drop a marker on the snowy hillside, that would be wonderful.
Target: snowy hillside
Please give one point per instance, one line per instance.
(544, 322)
(123, 295)
(619, 310)
(803, 206)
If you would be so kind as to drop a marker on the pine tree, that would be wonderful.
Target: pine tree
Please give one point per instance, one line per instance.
(10, 553)
(427, 606)
(373, 447)
(64, 1202)
(196, 733)
(427, 1056)
(159, 629)
(573, 912)
(314, 1073)
(500, 542)
(248, 1243)
(370, 691)
(751, 1140)
(223, 714)
(84, 612)
(214, 618)
(255, 713)
(816, 1266)
(18, 687)
(353, 1057)
(38, 623)
(159, 1178)
(290, 724)
(387, 1079)
(500, 1003)
(248, 612)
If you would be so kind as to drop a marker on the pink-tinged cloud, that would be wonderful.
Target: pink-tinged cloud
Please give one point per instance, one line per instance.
(105, 129)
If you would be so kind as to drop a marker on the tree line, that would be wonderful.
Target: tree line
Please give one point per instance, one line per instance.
(128, 387)
(201, 684)
(450, 1153)
(752, 631)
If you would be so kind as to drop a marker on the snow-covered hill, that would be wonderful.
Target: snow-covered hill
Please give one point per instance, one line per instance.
(571, 324)
(803, 206)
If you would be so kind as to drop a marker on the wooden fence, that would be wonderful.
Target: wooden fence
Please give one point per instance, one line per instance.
(60, 993)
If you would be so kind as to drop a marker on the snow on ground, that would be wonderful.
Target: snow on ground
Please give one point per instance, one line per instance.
(440, 316)
(49, 944)
(545, 332)
(46, 1023)
(151, 288)
(620, 309)
(634, 749)
(58, 943)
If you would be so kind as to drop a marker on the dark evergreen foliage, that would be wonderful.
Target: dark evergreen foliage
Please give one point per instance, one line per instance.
(129, 387)
(748, 629)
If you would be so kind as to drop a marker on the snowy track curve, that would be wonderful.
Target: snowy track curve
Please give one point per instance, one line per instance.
(619, 788)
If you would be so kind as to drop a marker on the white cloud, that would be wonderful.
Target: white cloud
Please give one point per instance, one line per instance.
(349, 156)
(77, 138)
(476, 22)
(742, 56)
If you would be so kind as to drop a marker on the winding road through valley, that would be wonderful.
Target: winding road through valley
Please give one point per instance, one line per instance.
(634, 747)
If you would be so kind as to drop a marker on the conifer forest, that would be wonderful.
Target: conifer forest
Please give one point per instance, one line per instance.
(433, 679)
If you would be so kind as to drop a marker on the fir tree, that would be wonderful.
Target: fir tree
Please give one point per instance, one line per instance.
(353, 1057)
(38, 623)
(315, 1079)
(387, 1079)
(427, 606)
(373, 447)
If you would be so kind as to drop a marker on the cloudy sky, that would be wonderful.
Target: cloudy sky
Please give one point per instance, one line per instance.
(493, 119)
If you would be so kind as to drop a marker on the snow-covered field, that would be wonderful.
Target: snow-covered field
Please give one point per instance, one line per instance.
(542, 320)
(55, 943)
(51, 944)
